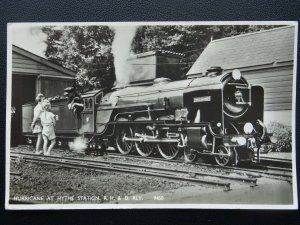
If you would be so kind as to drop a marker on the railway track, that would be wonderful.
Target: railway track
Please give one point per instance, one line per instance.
(216, 180)
(254, 169)
(276, 162)
(266, 163)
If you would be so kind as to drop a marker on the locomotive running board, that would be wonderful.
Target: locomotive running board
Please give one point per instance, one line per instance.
(212, 153)
(164, 140)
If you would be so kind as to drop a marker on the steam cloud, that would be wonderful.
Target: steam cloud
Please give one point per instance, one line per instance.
(121, 48)
(78, 145)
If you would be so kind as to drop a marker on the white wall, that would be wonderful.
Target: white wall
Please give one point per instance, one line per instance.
(284, 117)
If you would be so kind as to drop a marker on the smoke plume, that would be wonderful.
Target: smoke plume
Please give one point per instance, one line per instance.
(121, 48)
(78, 145)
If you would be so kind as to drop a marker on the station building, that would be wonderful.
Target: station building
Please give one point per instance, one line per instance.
(32, 74)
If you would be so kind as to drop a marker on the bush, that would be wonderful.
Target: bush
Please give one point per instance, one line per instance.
(283, 134)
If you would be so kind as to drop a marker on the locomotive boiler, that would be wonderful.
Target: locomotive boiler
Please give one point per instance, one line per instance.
(217, 114)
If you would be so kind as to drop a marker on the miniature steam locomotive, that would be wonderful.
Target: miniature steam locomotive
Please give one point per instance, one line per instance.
(217, 114)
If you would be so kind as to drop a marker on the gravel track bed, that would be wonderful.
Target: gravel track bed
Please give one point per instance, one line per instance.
(113, 188)
(96, 187)
(189, 167)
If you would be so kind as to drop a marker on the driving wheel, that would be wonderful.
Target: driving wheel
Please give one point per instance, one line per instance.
(144, 149)
(190, 155)
(168, 150)
(123, 146)
(225, 156)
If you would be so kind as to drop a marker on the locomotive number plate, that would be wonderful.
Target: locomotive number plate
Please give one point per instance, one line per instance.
(202, 99)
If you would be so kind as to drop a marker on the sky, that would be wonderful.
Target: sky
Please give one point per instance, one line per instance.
(29, 37)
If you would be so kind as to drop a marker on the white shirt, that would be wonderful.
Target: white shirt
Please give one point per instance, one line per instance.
(47, 118)
(38, 109)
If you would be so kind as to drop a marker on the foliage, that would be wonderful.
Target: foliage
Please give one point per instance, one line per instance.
(84, 49)
(283, 135)
(87, 49)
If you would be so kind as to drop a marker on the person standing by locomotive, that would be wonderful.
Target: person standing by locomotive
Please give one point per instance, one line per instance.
(36, 125)
(48, 123)
(74, 101)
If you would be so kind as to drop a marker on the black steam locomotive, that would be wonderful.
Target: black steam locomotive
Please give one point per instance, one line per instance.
(217, 114)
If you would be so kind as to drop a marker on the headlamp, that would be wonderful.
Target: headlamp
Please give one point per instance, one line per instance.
(248, 128)
(239, 140)
(236, 74)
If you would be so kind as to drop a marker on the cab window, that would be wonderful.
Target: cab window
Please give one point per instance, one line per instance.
(98, 98)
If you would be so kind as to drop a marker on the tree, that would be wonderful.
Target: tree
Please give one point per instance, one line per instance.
(84, 49)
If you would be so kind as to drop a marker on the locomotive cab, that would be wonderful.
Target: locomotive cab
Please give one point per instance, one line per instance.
(90, 100)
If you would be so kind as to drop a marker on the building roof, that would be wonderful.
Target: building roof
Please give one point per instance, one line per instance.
(42, 60)
(252, 49)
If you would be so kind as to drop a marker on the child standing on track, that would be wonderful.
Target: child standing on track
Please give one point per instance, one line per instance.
(36, 125)
(48, 123)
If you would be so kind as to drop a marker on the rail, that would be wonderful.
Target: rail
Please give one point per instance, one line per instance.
(256, 170)
(175, 174)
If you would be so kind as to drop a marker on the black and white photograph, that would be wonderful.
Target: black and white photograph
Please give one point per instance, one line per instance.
(118, 115)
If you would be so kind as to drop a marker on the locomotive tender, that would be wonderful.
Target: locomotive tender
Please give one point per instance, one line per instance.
(217, 114)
